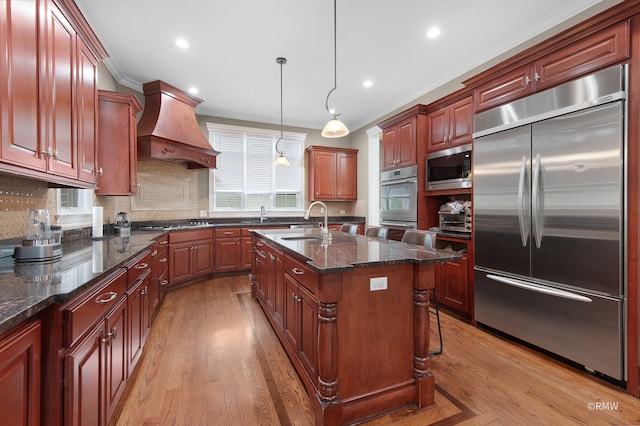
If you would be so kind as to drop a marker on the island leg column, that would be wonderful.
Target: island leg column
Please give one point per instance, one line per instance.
(330, 408)
(424, 280)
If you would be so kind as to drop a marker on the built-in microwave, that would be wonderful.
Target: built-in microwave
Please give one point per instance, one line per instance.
(449, 168)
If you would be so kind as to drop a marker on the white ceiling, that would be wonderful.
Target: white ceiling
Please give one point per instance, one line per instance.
(234, 46)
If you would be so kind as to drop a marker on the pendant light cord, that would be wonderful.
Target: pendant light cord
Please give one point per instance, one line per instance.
(281, 61)
(335, 58)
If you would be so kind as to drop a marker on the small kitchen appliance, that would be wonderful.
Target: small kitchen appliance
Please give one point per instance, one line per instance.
(39, 245)
(122, 225)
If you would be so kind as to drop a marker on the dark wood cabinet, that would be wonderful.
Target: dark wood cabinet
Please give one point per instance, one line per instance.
(332, 173)
(138, 320)
(589, 54)
(403, 136)
(86, 113)
(20, 355)
(228, 251)
(159, 273)
(117, 147)
(450, 126)
(190, 255)
(453, 284)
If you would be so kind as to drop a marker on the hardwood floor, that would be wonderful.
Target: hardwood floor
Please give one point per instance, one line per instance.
(212, 358)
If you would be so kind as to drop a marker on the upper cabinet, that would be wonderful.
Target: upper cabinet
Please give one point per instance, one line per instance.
(604, 48)
(332, 173)
(118, 159)
(400, 136)
(49, 96)
(450, 126)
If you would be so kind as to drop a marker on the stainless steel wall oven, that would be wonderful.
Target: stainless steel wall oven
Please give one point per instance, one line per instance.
(399, 197)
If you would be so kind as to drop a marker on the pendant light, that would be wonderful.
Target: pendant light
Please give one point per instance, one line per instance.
(281, 160)
(334, 128)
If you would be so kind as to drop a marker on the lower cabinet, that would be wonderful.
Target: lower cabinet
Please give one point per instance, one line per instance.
(228, 249)
(96, 371)
(453, 284)
(20, 355)
(139, 321)
(190, 255)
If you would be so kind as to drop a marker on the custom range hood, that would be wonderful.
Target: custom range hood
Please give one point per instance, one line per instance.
(168, 129)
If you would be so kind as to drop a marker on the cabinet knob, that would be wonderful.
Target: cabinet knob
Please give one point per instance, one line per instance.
(527, 80)
(536, 76)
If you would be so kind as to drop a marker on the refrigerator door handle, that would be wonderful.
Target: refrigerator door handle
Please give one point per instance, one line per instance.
(535, 190)
(524, 225)
(539, 289)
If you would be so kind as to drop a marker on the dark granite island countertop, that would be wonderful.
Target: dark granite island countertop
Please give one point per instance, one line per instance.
(352, 313)
(345, 251)
(26, 289)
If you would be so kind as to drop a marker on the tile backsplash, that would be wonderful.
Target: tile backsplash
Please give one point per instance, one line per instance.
(18, 196)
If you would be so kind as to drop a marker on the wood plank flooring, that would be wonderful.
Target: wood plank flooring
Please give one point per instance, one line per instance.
(212, 358)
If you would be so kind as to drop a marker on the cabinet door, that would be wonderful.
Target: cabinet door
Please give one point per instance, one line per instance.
(87, 113)
(389, 142)
(308, 338)
(407, 143)
(228, 254)
(324, 176)
(20, 376)
(346, 178)
(291, 324)
(278, 288)
(260, 271)
(247, 252)
(203, 257)
(115, 356)
(503, 89)
(602, 49)
(179, 262)
(454, 284)
(438, 125)
(60, 133)
(20, 126)
(136, 324)
(84, 381)
(460, 122)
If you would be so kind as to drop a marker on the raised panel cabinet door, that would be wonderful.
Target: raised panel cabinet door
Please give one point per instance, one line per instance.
(291, 324)
(438, 125)
(84, 381)
(407, 143)
(61, 143)
(324, 175)
(454, 284)
(180, 262)
(279, 290)
(247, 252)
(308, 339)
(505, 88)
(20, 376)
(20, 68)
(202, 257)
(135, 325)
(87, 113)
(228, 254)
(604, 48)
(461, 122)
(260, 272)
(115, 356)
(347, 177)
(389, 148)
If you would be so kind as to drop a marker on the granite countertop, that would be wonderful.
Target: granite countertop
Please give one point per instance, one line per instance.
(26, 289)
(345, 251)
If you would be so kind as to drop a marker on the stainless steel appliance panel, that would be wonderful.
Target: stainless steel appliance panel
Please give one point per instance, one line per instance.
(399, 195)
(577, 199)
(589, 333)
(502, 200)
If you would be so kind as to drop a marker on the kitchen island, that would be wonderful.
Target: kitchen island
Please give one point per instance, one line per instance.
(352, 312)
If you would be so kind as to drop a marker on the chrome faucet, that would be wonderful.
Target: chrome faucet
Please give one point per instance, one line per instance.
(262, 213)
(325, 230)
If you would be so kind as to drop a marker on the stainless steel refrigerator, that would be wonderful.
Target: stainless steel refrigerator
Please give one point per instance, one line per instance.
(549, 220)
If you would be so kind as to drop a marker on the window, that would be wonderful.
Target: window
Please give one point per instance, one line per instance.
(74, 207)
(246, 177)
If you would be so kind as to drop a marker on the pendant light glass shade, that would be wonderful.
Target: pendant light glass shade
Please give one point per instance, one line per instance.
(281, 160)
(334, 128)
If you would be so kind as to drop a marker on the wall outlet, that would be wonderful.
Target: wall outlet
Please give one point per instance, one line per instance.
(203, 213)
(377, 283)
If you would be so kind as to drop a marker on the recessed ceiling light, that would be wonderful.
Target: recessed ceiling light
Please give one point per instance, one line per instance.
(193, 90)
(367, 83)
(433, 33)
(182, 43)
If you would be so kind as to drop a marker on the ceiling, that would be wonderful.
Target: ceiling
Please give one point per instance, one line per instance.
(234, 46)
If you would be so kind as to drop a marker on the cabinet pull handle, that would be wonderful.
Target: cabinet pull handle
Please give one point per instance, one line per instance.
(164, 282)
(297, 271)
(527, 80)
(144, 291)
(155, 253)
(272, 257)
(164, 242)
(536, 76)
(142, 266)
(163, 260)
(228, 232)
(106, 298)
(293, 297)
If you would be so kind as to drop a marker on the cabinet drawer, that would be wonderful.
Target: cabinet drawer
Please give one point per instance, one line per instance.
(302, 273)
(163, 241)
(137, 267)
(228, 232)
(190, 235)
(88, 310)
(162, 259)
